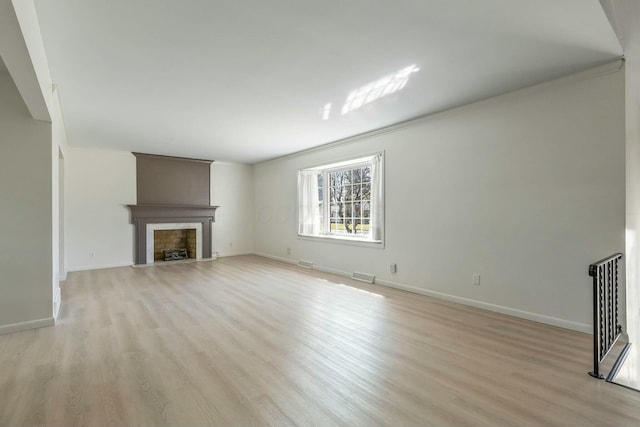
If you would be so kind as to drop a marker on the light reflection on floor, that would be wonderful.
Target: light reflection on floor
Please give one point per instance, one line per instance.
(629, 374)
(360, 321)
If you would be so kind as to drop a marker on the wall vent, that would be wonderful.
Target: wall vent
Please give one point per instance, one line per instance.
(305, 264)
(363, 277)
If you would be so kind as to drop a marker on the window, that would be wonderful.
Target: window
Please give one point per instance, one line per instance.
(343, 200)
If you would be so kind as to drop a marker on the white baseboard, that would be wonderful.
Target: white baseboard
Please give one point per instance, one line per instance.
(99, 267)
(276, 258)
(56, 301)
(25, 326)
(332, 271)
(540, 318)
(316, 267)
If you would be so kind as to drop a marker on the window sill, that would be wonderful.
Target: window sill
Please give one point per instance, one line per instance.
(353, 241)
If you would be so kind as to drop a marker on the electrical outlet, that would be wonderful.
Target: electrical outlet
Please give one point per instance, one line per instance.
(393, 267)
(92, 254)
(476, 279)
(288, 251)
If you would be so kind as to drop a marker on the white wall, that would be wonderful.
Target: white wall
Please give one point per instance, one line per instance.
(58, 152)
(626, 19)
(525, 189)
(100, 185)
(632, 53)
(232, 190)
(26, 296)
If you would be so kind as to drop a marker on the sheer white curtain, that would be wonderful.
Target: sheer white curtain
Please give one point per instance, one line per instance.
(308, 203)
(377, 197)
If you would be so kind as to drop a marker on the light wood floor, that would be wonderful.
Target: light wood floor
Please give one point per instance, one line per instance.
(247, 341)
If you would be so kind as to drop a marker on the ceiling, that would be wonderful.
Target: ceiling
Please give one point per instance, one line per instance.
(249, 81)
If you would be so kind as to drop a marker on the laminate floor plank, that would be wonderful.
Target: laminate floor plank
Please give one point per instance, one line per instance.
(247, 341)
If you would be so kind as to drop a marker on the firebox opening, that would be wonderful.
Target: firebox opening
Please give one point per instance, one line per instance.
(174, 244)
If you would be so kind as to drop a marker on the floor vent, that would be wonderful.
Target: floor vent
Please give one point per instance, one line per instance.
(305, 264)
(363, 277)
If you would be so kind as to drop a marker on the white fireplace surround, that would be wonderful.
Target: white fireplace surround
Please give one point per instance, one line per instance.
(173, 226)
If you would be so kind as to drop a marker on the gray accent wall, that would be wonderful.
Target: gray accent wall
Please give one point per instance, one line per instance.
(164, 180)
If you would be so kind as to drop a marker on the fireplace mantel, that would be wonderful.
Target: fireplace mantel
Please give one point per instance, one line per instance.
(141, 215)
(172, 211)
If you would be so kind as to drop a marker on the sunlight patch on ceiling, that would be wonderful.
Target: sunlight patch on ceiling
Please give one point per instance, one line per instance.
(380, 88)
(326, 111)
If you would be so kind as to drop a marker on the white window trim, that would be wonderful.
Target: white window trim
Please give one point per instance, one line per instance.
(325, 236)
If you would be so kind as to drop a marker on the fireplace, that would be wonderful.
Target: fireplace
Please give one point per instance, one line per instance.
(150, 218)
(173, 244)
(173, 193)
